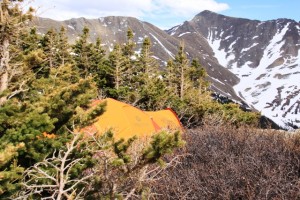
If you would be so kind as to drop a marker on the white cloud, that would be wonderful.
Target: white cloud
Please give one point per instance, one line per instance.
(142, 9)
(186, 7)
(66, 9)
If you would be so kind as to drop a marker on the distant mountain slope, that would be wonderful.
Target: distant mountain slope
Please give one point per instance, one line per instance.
(265, 56)
(113, 30)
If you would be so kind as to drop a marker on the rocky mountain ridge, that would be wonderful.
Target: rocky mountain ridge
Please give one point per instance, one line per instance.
(265, 56)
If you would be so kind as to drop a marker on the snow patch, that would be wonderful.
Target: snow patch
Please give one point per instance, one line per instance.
(231, 57)
(101, 19)
(133, 57)
(155, 57)
(229, 36)
(247, 49)
(159, 42)
(263, 93)
(220, 54)
(233, 43)
(173, 30)
(182, 34)
(221, 34)
(71, 27)
(217, 80)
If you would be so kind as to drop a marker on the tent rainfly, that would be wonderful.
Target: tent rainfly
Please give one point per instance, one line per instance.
(127, 121)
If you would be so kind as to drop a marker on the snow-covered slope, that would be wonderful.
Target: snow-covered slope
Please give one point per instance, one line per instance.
(265, 56)
(273, 89)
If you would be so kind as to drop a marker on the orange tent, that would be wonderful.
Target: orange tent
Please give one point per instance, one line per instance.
(126, 121)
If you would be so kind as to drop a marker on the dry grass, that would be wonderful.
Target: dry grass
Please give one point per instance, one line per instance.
(227, 163)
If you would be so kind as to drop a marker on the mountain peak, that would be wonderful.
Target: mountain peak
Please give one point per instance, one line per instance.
(209, 15)
(206, 13)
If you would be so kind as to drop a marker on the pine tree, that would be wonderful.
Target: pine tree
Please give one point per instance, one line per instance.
(99, 67)
(182, 69)
(37, 62)
(32, 51)
(171, 78)
(149, 66)
(49, 45)
(82, 50)
(12, 20)
(63, 48)
(118, 65)
(198, 76)
(129, 74)
(152, 91)
(29, 40)
(128, 48)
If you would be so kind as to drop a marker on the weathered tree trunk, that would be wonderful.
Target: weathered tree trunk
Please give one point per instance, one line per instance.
(182, 83)
(117, 76)
(4, 69)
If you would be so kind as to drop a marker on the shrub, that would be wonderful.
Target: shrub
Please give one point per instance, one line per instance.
(223, 162)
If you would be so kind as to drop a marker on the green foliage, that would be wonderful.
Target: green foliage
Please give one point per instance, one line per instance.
(51, 105)
(121, 147)
(63, 48)
(83, 50)
(148, 65)
(161, 144)
(118, 67)
(154, 95)
(30, 40)
(56, 48)
(182, 70)
(128, 48)
(99, 68)
(36, 61)
(9, 171)
(12, 19)
(233, 114)
(12, 23)
(49, 44)
(197, 75)
(41, 106)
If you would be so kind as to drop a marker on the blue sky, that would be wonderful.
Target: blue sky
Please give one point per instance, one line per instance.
(263, 9)
(167, 13)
